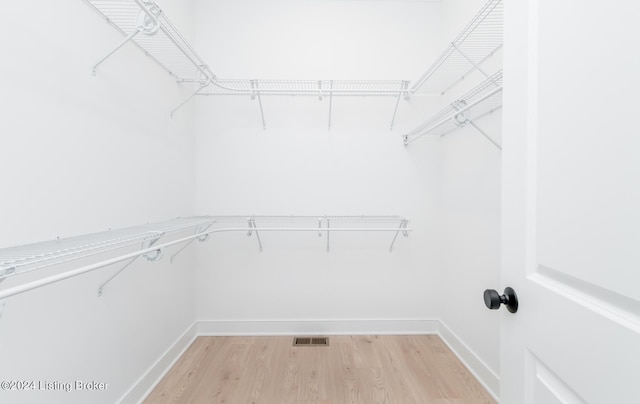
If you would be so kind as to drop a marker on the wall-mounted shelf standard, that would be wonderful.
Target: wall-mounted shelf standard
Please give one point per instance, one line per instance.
(477, 42)
(475, 104)
(143, 240)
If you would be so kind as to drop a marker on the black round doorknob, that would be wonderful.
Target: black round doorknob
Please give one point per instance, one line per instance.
(493, 300)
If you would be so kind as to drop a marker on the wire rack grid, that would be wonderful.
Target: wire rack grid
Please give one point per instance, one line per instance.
(306, 219)
(478, 41)
(478, 102)
(30, 257)
(318, 88)
(167, 46)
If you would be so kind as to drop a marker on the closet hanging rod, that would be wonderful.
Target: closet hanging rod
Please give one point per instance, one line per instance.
(32, 257)
(92, 267)
(408, 140)
(485, 98)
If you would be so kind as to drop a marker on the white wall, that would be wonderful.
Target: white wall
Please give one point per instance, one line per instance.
(80, 154)
(450, 188)
(299, 167)
(470, 213)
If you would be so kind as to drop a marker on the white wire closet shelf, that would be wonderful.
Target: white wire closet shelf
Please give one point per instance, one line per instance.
(477, 42)
(475, 104)
(143, 240)
(315, 88)
(31, 257)
(144, 23)
(306, 219)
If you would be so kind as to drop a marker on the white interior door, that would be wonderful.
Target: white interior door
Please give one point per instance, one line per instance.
(571, 202)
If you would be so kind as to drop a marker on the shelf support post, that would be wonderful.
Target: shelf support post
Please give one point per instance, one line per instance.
(112, 277)
(330, 102)
(406, 95)
(483, 133)
(202, 239)
(403, 225)
(189, 98)
(154, 258)
(127, 39)
(255, 92)
(251, 221)
(328, 232)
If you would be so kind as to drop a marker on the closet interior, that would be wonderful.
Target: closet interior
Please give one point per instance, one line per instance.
(376, 201)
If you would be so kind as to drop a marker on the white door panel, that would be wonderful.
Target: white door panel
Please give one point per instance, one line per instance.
(583, 345)
(571, 202)
(547, 388)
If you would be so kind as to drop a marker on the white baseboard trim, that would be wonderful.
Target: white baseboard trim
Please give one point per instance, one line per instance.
(489, 380)
(143, 387)
(317, 327)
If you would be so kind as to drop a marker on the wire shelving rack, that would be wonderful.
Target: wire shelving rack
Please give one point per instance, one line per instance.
(143, 240)
(31, 257)
(323, 89)
(143, 23)
(478, 41)
(475, 104)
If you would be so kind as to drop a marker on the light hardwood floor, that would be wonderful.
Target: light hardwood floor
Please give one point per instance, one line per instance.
(353, 369)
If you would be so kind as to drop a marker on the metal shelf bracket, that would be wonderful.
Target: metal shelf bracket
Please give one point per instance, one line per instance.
(252, 227)
(120, 45)
(401, 228)
(483, 133)
(405, 91)
(203, 85)
(7, 272)
(158, 253)
(198, 230)
(147, 23)
(145, 245)
(255, 92)
(328, 233)
(112, 277)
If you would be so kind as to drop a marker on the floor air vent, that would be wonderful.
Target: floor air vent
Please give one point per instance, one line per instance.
(310, 341)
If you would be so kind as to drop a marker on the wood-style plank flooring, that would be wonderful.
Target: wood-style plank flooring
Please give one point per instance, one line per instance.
(352, 369)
